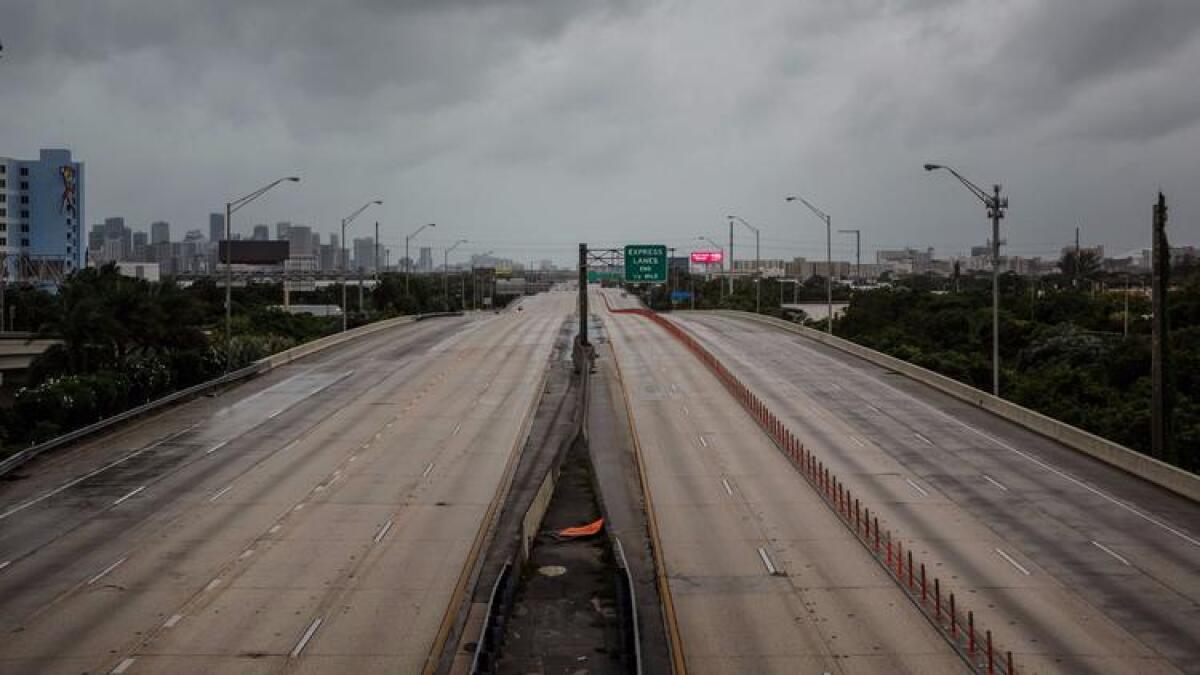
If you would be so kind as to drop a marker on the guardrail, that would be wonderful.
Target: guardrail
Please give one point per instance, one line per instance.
(266, 364)
(928, 594)
(1131, 461)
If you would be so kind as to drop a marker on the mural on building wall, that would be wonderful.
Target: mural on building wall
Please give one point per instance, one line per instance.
(69, 197)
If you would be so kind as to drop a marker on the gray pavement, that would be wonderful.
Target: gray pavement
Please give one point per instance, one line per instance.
(762, 575)
(317, 519)
(1087, 568)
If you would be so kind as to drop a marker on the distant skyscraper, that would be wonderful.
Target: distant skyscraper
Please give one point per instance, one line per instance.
(425, 259)
(216, 227)
(364, 254)
(281, 230)
(262, 233)
(299, 241)
(160, 232)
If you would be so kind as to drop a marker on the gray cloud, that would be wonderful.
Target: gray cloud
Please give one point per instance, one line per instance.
(526, 125)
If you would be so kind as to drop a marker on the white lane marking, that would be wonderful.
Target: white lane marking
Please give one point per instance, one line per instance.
(319, 488)
(216, 447)
(875, 410)
(702, 441)
(1014, 562)
(131, 493)
(858, 440)
(365, 446)
(727, 488)
(212, 585)
(123, 666)
(70, 484)
(308, 634)
(353, 458)
(246, 554)
(221, 492)
(383, 531)
(686, 411)
(298, 507)
(995, 482)
(175, 618)
(275, 414)
(762, 553)
(916, 487)
(835, 386)
(1058, 472)
(378, 434)
(427, 470)
(106, 570)
(456, 428)
(674, 388)
(1111, 552)
(924, 440)
(4, 564)
(274, 529)
(289, 446)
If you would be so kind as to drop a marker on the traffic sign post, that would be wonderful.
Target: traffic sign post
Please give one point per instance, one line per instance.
(646, 263)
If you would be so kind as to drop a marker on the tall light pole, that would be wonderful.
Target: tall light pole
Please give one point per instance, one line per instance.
(857, 252)
(230, 208)
(407, 258)
(995, 205)
(446, 271)
(722, 250)
(474, 281)
(828, 257)
(346, 221)
(757, 261)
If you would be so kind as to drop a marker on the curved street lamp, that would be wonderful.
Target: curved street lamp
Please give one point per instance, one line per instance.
(407, 259)
(231, 207)
(446, 271)
(995, 205)
(757, 261)
(828, 257)
(346, 221)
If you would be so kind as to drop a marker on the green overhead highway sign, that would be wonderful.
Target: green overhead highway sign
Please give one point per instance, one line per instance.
(646, 263)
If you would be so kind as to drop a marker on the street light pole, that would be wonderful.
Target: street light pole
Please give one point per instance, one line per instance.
(720, 248)
(757, 260)
(230, 208)
(446, 272)
(857, 252)
(346, 221)
(995, 205)
(828, 258)
(407, 258)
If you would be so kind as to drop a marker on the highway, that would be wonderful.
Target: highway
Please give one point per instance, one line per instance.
(763, 578)
(1077, 566)
(317, 519)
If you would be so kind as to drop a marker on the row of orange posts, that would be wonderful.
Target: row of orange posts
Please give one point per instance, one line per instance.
(956, 623)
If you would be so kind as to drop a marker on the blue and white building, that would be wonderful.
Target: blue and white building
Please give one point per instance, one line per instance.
(41, 211)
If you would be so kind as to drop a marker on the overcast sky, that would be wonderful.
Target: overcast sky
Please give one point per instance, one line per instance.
(527, 126)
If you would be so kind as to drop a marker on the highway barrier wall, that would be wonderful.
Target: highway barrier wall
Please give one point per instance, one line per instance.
(264, 365)
(933, 598)
(1131, 461)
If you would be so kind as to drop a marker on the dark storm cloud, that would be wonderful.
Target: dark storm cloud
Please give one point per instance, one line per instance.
(538, 120)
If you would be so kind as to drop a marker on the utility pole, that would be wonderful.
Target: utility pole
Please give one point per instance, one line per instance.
(1075, 275)
(857, 252)
(731, 266)
(1160, 404)
(376, 277)
(583, 303)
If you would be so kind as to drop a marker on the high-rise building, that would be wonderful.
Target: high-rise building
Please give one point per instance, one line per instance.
(425, 259)
(281, 230)
(261, 233)
(41, 215)
(160, 231)
(299, 241)
(141, 243)
(216, 227)
(364, 254)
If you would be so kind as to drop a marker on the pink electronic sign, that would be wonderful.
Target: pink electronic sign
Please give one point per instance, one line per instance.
(707, 257)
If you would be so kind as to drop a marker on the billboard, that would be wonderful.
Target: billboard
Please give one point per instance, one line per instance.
(707, 257)
(253, 252)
